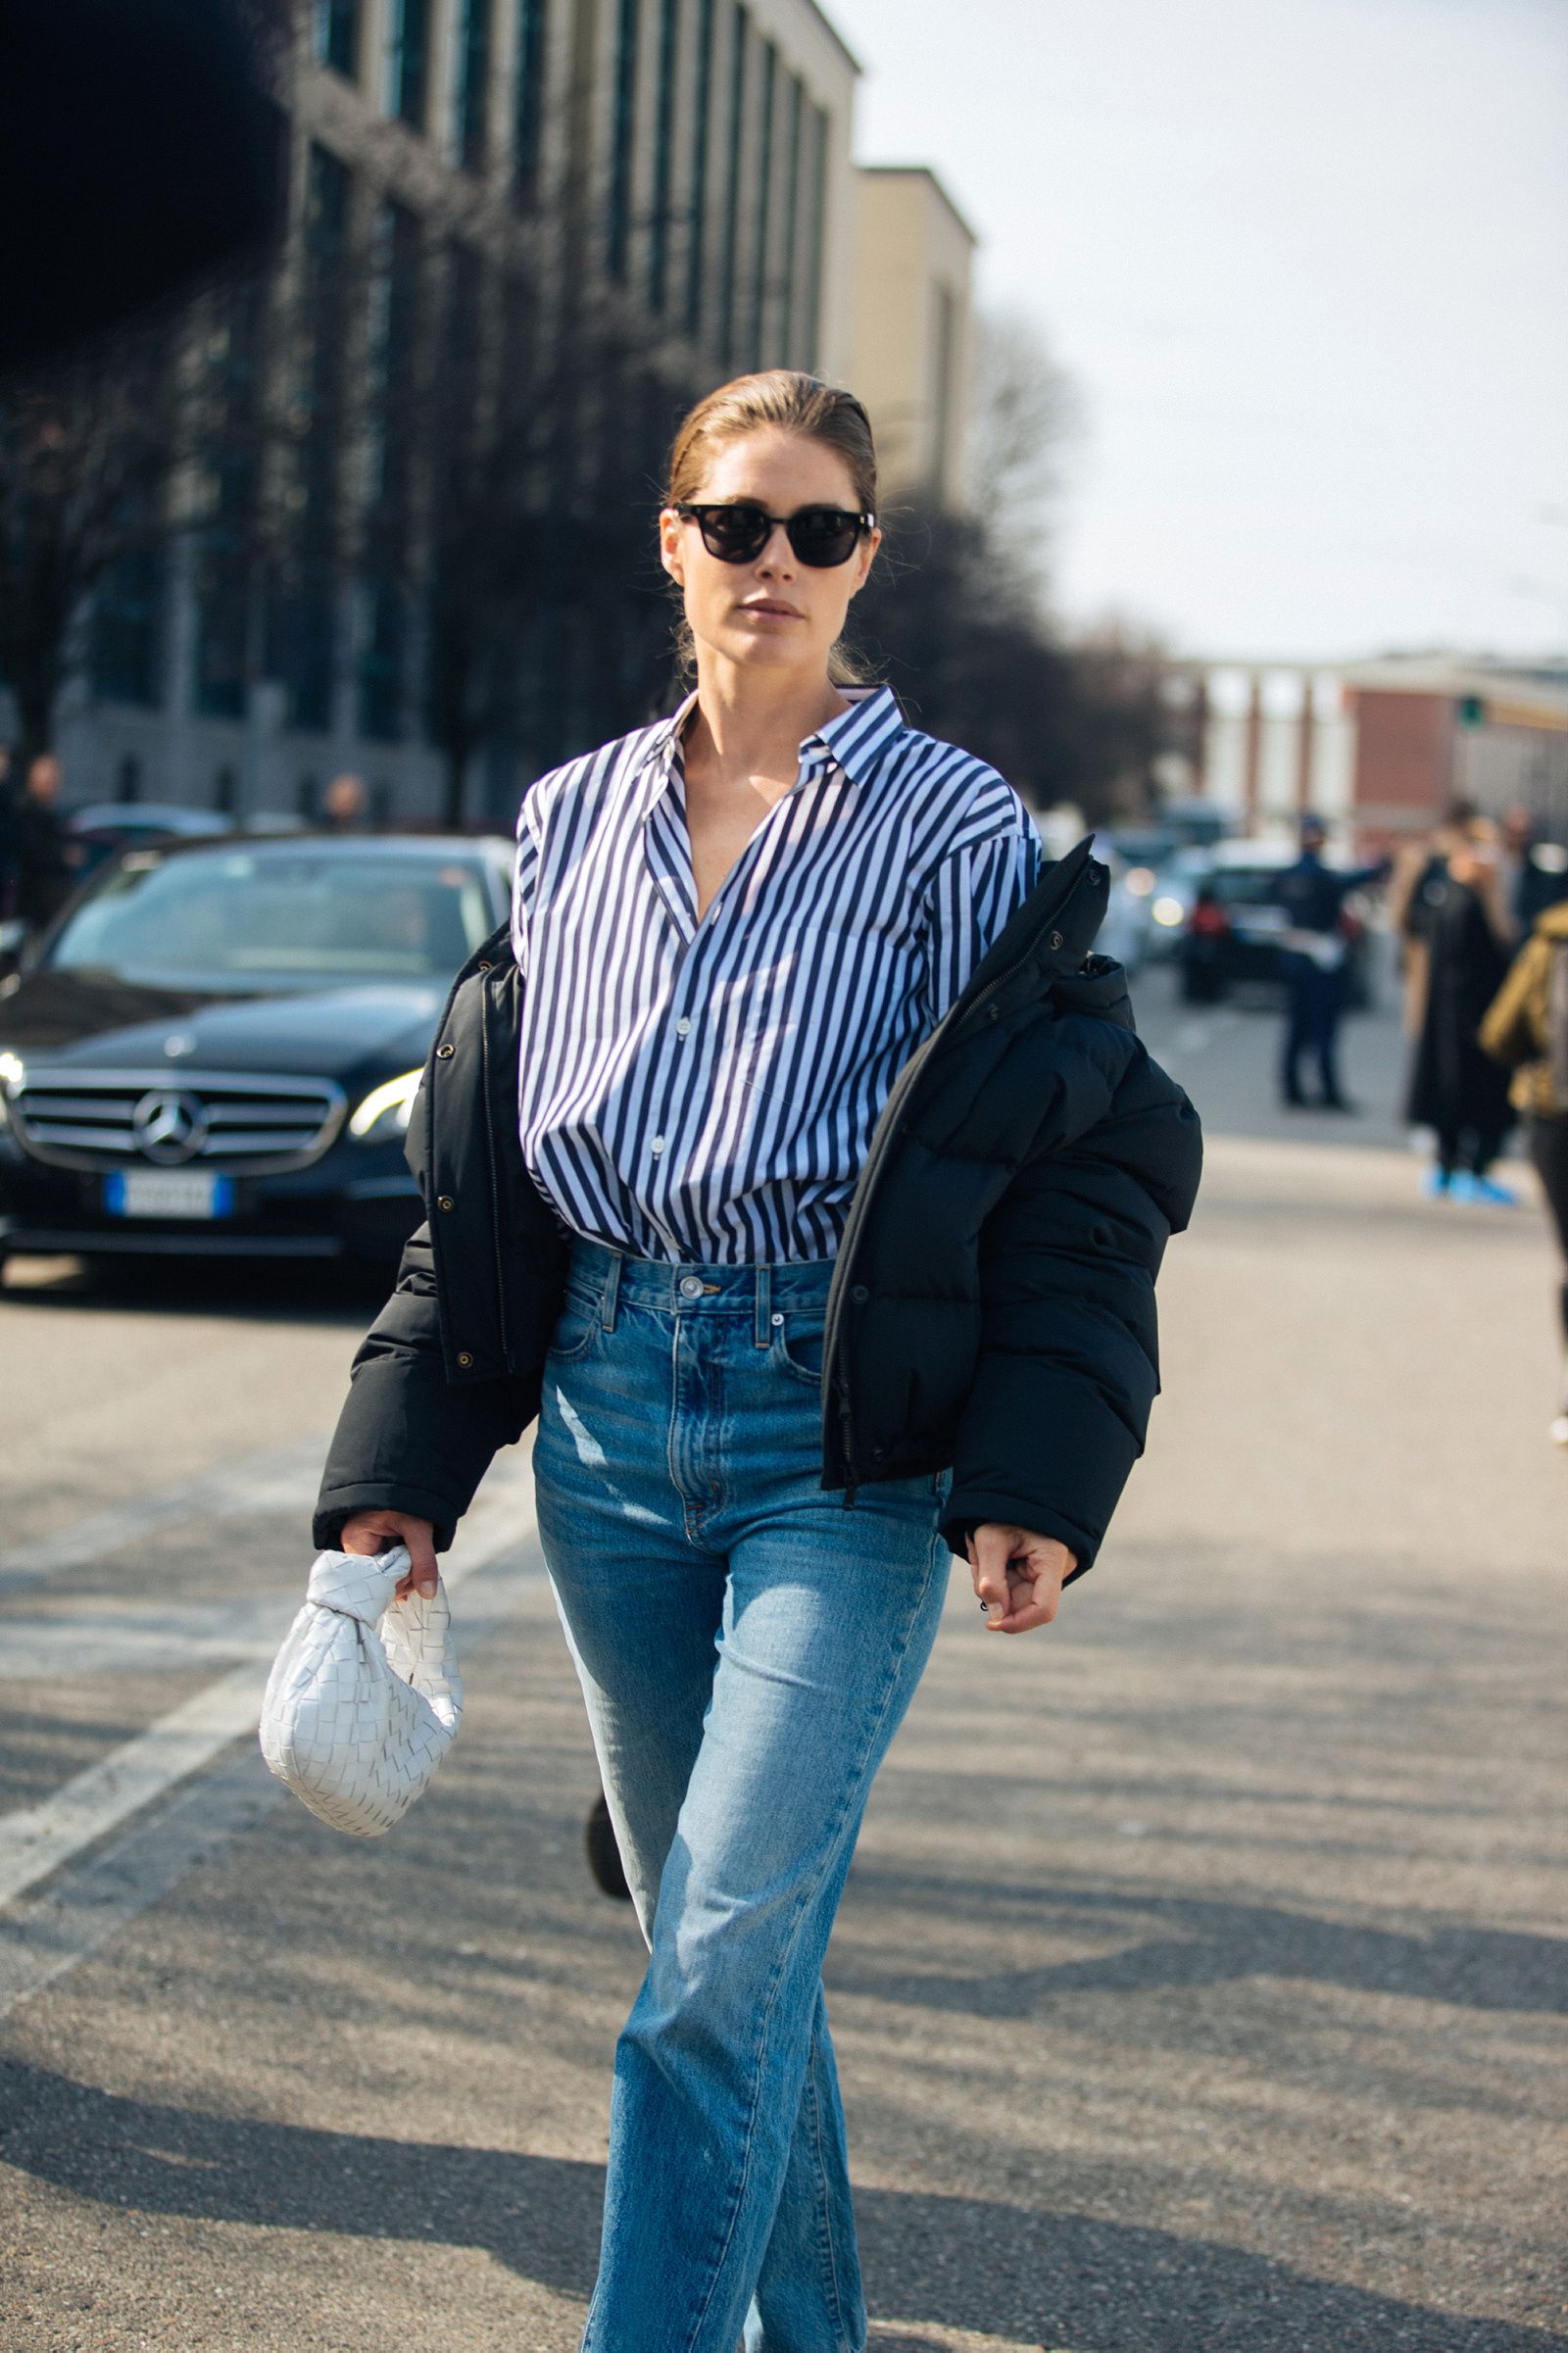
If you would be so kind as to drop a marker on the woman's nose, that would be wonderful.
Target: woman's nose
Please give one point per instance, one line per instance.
(777, 556)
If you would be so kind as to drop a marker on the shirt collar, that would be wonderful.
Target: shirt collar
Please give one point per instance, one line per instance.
(854, 741)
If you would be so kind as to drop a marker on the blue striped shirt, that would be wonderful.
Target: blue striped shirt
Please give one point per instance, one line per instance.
(707, 1090)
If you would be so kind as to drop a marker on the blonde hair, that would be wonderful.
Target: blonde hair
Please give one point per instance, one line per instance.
(793, 403)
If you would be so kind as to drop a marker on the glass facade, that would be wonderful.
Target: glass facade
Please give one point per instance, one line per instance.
(701, 127)
(127, 636)
(528, 97)
(664, 154)
(763, 222)
(815, 230)
(623, 136)
(381, 665)
(409, 63)
(335, 35)
(788, 326)
(470, 130)
(730, 241)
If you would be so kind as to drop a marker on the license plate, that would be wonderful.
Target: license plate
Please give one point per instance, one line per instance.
(168, 1193)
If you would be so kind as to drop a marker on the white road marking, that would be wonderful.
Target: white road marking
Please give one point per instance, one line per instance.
(83, 1907)
(140, 1638)
(280, 1479)
(37, 1839)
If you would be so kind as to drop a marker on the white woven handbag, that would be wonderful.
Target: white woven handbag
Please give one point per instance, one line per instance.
(363, 1698)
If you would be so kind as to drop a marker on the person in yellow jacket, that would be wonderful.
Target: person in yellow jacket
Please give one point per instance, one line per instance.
(1526, 1029)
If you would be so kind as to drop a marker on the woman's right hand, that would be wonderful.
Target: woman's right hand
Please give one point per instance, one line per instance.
(372, 1532)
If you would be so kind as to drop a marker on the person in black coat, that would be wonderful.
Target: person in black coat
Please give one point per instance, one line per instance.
(1312, 964)
(1455, 1087)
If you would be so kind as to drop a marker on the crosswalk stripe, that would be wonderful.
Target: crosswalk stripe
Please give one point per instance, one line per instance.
(37, 1839)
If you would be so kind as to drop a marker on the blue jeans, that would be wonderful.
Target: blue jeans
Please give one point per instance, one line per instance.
(746, 1646)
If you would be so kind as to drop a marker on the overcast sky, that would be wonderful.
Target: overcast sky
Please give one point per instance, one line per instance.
(1308, 263)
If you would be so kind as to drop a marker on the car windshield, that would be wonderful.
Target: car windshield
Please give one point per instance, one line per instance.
(246, 921)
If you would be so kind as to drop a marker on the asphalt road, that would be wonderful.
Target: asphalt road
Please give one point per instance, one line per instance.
(1201, 1979)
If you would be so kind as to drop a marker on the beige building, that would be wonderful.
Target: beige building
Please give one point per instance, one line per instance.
(910, 351)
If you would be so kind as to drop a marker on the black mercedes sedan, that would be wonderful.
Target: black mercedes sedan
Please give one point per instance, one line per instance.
(217, 1050)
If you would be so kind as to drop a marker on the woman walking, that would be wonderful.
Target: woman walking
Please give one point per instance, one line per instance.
(799, 1168)
(1456, 1088)
(1526, 1030)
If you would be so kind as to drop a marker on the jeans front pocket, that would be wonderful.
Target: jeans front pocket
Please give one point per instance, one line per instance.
(577, 1327)
(798, 1344)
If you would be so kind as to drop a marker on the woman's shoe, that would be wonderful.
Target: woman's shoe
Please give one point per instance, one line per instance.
(1494, 1195)
(1436, 1184)
(604, 1855)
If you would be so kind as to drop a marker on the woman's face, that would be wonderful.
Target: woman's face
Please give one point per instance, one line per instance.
(772, 609)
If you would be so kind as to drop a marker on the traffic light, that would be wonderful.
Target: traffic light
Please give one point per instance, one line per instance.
(1472, 711)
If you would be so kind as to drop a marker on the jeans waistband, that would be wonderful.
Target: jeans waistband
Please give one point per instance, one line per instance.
(694, 1287)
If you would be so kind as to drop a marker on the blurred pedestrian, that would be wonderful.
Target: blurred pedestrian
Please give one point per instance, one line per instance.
(1455, 1087)
(1534, 871)
(1419, 871)
(1526, 1030)
(46, 858)
(1313, 956)
(346, 805)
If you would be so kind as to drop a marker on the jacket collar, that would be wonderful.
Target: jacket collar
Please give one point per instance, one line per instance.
(1045, 941)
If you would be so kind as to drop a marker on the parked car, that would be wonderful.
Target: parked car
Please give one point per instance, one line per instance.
(1232, 929)
(216, 1048)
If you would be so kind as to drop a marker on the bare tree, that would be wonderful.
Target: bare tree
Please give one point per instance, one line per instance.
(87, 453)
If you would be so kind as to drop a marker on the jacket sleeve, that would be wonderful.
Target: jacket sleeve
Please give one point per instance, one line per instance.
(408, 1440)
(1068, 1365)
(1509, 1032)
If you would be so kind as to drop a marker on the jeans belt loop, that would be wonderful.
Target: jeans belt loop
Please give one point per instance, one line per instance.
(612, 1287)
(762, 1330)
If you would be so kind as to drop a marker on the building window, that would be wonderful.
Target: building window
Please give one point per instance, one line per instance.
(622, 153)
(663, 152)
(732, 182)
(409, 63)
(223, 591)
(303, 655)
(127, 630)
(380, 680)
(226, 790)
(473, 86)
(702, 116)
(528, 115)
(815, 232)
(787, 326)
(127, 783)
(335, 35)
(764, 224)
(326, 204)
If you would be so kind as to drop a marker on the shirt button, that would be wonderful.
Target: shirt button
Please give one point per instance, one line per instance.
(682, 1028)
(691, 1287)
(859, 1293)
(778, 1319)
(657, 1144)
(464, 1357)
(446, 1201)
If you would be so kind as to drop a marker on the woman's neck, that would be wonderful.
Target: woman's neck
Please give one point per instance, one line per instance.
(750, 722)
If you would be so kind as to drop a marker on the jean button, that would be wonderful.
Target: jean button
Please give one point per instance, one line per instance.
(691, 1287)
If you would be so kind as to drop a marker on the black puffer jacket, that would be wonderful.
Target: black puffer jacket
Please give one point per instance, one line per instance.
(991, 1306)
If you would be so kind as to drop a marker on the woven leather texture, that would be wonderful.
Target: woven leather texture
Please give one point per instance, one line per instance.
(364, 1698)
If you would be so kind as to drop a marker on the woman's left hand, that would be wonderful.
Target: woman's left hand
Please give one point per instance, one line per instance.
(1017, 1576)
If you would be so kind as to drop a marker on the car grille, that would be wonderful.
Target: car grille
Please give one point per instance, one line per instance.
(98, 1120)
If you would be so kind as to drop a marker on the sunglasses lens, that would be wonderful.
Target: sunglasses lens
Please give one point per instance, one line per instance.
(824, 536)
(734, 534)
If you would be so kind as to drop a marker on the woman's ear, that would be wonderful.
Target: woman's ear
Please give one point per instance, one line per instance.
(670, 546)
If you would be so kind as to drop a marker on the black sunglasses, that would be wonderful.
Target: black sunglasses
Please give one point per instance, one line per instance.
(821, 536)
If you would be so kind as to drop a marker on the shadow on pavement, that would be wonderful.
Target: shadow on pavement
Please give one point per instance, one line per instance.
(1217, 1944)
(1053, 2280)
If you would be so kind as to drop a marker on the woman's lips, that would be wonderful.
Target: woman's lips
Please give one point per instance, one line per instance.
(767, 611)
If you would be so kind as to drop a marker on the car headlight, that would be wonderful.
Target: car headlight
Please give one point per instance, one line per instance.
(13, 1070)
(1168, 912)
(386, 1111)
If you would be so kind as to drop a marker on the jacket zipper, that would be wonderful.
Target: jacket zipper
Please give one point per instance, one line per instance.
(882, 1141)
